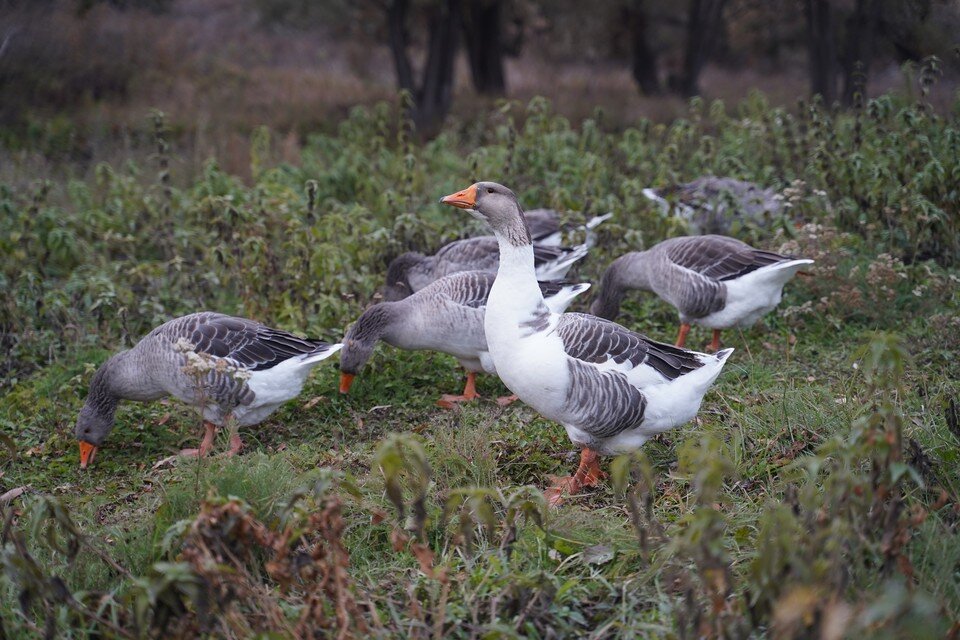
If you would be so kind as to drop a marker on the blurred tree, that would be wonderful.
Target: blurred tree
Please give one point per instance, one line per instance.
(844, 36)
(643, 58)
(704, 24)
(433, 94)
(820, 48)
(861, 30)
(482, 34)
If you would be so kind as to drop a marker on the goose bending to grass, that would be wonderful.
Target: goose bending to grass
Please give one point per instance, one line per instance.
(232, 368)
(546, 230)
(714, 205)
(412, 271)
(445, 316)
(611, 388)
(713, 281)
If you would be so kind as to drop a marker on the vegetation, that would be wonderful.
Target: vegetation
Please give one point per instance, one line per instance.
(817, 494)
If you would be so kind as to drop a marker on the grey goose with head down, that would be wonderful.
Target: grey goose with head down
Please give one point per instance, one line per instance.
(611, 388)
(445, 316)
(713, 281)
(229, 367)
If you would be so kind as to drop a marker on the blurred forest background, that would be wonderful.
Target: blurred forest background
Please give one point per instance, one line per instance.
(79, 77)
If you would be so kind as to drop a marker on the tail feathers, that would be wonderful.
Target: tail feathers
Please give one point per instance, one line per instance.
(560, 298)
(321, 353)
(781, 272)
(556, 269)
(723, 354)
(593, 222)
(653, 195)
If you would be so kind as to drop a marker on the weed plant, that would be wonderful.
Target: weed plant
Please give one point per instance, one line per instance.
(815, 496)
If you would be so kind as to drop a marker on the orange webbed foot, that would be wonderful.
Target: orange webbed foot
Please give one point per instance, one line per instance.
(505, 401)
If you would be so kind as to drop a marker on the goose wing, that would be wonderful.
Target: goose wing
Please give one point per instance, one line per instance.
(718, 258)
(480, 253)
(250, 344)
(467, 288)
(592, 340)
(542, 223)
(602, 356)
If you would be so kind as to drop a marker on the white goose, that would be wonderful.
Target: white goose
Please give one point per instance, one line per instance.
(241, 370)
(444, 316)
(611, 388)
(412, 271)
(713, 281)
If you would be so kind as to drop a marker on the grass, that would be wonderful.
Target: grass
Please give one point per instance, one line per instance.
(817, 489)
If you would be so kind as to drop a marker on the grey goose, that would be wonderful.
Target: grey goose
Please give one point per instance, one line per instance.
(230, 368)
(712, 204)
(713, 281)
(444, 316)
(610, 387)
(412, 271)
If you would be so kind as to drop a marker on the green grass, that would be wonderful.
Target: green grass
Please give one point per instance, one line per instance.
(761, 513)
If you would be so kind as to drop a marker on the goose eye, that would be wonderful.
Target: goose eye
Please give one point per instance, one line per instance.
(489, 190)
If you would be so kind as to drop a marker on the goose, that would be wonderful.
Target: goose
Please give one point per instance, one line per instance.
(444, 316)
(714, 281)
(712, 204)
(546, 230)
(241, 370)
(412, 271)
(611, 388)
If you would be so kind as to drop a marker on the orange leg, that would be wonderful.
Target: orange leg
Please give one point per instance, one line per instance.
(235, 444)
(469, 393)
(682, 336)
(504, 401)
(715, 343)
(588, 474)
(210, 432)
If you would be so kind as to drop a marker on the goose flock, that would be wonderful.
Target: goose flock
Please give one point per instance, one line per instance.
(497, 305)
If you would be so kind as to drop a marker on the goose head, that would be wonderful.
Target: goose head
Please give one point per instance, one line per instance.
(96, 418)
(496, 205)
(360, 340)
(398, 284)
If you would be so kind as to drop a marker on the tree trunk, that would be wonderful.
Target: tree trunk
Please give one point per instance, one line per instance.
(433, 95)
(862, 26)
(820, 49)
(643, 56)
(397, 36)
(703, 25)
(482, 28)
(436, 91)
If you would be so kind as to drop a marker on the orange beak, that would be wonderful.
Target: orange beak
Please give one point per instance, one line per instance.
(87, 453)
(346, 379)
(466, 199)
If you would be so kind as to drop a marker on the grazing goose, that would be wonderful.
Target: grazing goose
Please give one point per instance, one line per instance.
(611, 388)
(545, 227)
(445, 316)
(245, 370)
(410, 272)
(714, 281)
(713, 205)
